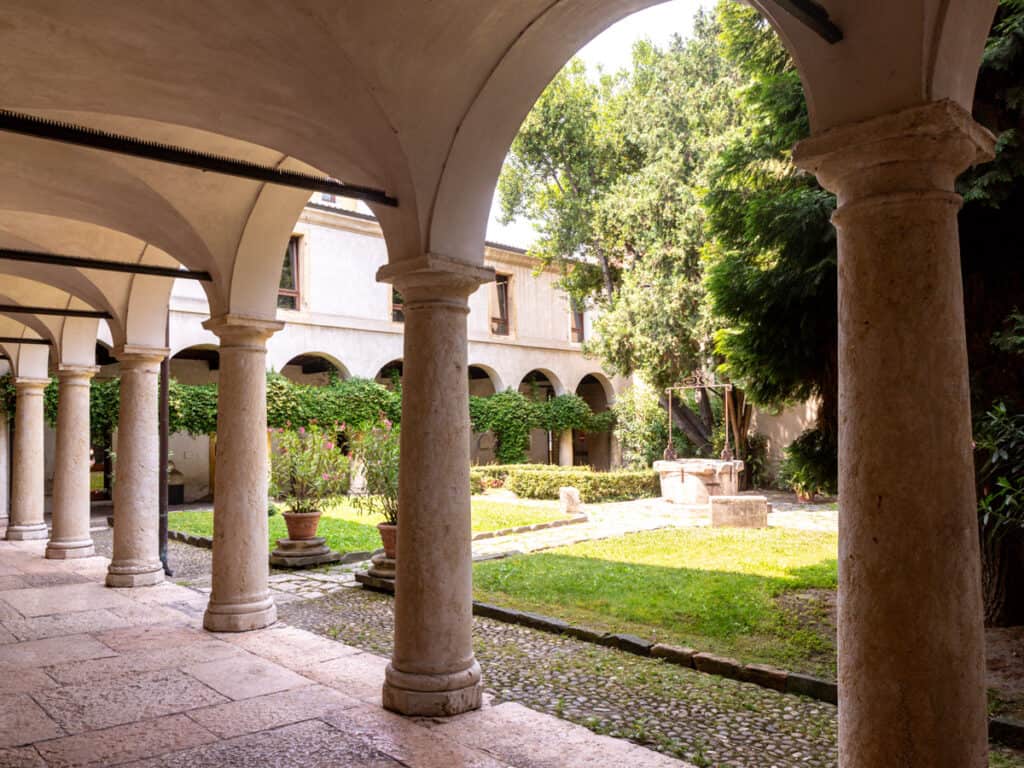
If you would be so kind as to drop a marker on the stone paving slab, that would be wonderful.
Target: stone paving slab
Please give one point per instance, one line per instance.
(22, 721)
(122, 743)
(158, 691)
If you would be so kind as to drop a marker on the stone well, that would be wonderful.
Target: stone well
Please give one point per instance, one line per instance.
(695, 481)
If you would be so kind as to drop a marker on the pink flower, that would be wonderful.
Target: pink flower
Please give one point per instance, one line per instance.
(326, 476)
(302, 430)
(329, 446)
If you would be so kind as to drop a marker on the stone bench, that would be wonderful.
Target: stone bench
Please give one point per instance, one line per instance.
(739, 511)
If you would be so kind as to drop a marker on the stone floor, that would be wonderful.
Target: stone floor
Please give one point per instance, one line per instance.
(94, 676)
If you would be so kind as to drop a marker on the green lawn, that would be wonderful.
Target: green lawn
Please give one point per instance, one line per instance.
(346, 530)
(712, 589)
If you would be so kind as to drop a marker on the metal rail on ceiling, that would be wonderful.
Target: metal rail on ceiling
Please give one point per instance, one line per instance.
(59, 260)
(814, 16)
(21, 309)
(69, 133)
(17, 340)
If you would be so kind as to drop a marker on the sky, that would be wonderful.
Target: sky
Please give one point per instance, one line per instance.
(611, 51)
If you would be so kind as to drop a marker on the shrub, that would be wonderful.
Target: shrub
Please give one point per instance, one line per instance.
(593, 486)
(307, 469)
(811, 465)
(378, 450)
(476, 482)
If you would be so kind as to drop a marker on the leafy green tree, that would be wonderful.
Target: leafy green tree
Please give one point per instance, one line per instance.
(772, 263)
(611, 172)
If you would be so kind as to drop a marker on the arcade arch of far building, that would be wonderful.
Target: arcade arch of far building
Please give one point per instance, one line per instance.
(315, 368)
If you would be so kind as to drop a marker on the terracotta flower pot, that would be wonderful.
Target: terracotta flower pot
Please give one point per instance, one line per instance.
(805, 498)
(389, 539)
(301, 525)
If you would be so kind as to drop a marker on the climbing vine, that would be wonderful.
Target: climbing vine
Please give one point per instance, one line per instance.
(359, 403)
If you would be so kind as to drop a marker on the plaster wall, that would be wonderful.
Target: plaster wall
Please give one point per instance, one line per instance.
(783, 428)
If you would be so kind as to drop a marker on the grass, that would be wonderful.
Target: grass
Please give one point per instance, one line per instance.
(712, 589)
(346, 530)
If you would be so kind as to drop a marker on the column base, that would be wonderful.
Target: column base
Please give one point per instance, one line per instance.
(126, 576)
(433, 695)
(225, 617)
(30, 532)
(68, 550)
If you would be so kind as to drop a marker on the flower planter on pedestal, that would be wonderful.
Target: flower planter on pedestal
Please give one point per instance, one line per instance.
(302, 548)
(384, 565)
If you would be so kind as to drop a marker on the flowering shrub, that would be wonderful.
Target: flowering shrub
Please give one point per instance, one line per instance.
(377, 449)
(307, 469)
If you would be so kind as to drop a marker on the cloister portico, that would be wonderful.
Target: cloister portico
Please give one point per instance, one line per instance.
(422, 100)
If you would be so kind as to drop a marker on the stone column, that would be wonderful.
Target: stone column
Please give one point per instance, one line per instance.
(71, 504)
(5, 470)
(27, 470)
(433, 671)
(911, 641)
(565, 448)
(136, 557)
(240, 598)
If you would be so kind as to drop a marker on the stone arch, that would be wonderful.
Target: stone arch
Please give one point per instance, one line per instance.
(196, 364)
(313, 368)
(478, 372)
(386, 373)
(537, 374)
(594, 448)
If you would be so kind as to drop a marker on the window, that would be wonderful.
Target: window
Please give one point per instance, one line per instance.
(499, 306)
(288, 291)
(397, 307)
(578, 334)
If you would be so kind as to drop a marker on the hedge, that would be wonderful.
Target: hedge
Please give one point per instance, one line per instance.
(593, 486)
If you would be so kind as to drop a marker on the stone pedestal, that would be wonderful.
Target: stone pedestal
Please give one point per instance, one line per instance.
(739, 512)
(70, 537)
(240, 596)
(432, 670)
(303, 553)
(382, 567)
(911, 639)
(27, 473)
(136, 556)
(695, 481)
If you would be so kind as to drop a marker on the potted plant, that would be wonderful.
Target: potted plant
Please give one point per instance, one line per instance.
(377, 449)
(306, 470)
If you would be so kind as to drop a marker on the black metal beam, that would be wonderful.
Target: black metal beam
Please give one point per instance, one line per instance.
(814, 16)
(18, 340)
(80, 262)
(21, 309)
(68, 133)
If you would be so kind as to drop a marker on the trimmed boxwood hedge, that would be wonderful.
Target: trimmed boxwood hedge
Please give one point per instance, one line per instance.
(593, 486)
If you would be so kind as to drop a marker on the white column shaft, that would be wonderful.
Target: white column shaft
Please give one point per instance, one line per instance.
(136, 557)
(70, 536)
(240, 598)
(27, 470)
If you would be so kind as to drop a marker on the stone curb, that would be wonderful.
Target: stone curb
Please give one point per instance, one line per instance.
(1006, 731)
(528, 528)
(196, 541)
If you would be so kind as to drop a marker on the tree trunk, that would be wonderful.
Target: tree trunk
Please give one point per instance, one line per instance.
(690, 424)
(1002, 576)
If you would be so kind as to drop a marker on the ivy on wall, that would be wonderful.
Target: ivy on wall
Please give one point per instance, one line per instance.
(358, 403)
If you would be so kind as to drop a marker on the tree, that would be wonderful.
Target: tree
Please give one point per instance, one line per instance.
(612, 173)
(771, 276)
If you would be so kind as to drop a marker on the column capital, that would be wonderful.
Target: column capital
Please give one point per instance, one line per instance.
(242, 330)
(85, 372)
(916, 150)
(131, 354)
(433, 276)
(31, 385)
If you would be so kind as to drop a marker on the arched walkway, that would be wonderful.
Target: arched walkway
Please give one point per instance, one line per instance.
(316, 368)
(593, 449)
